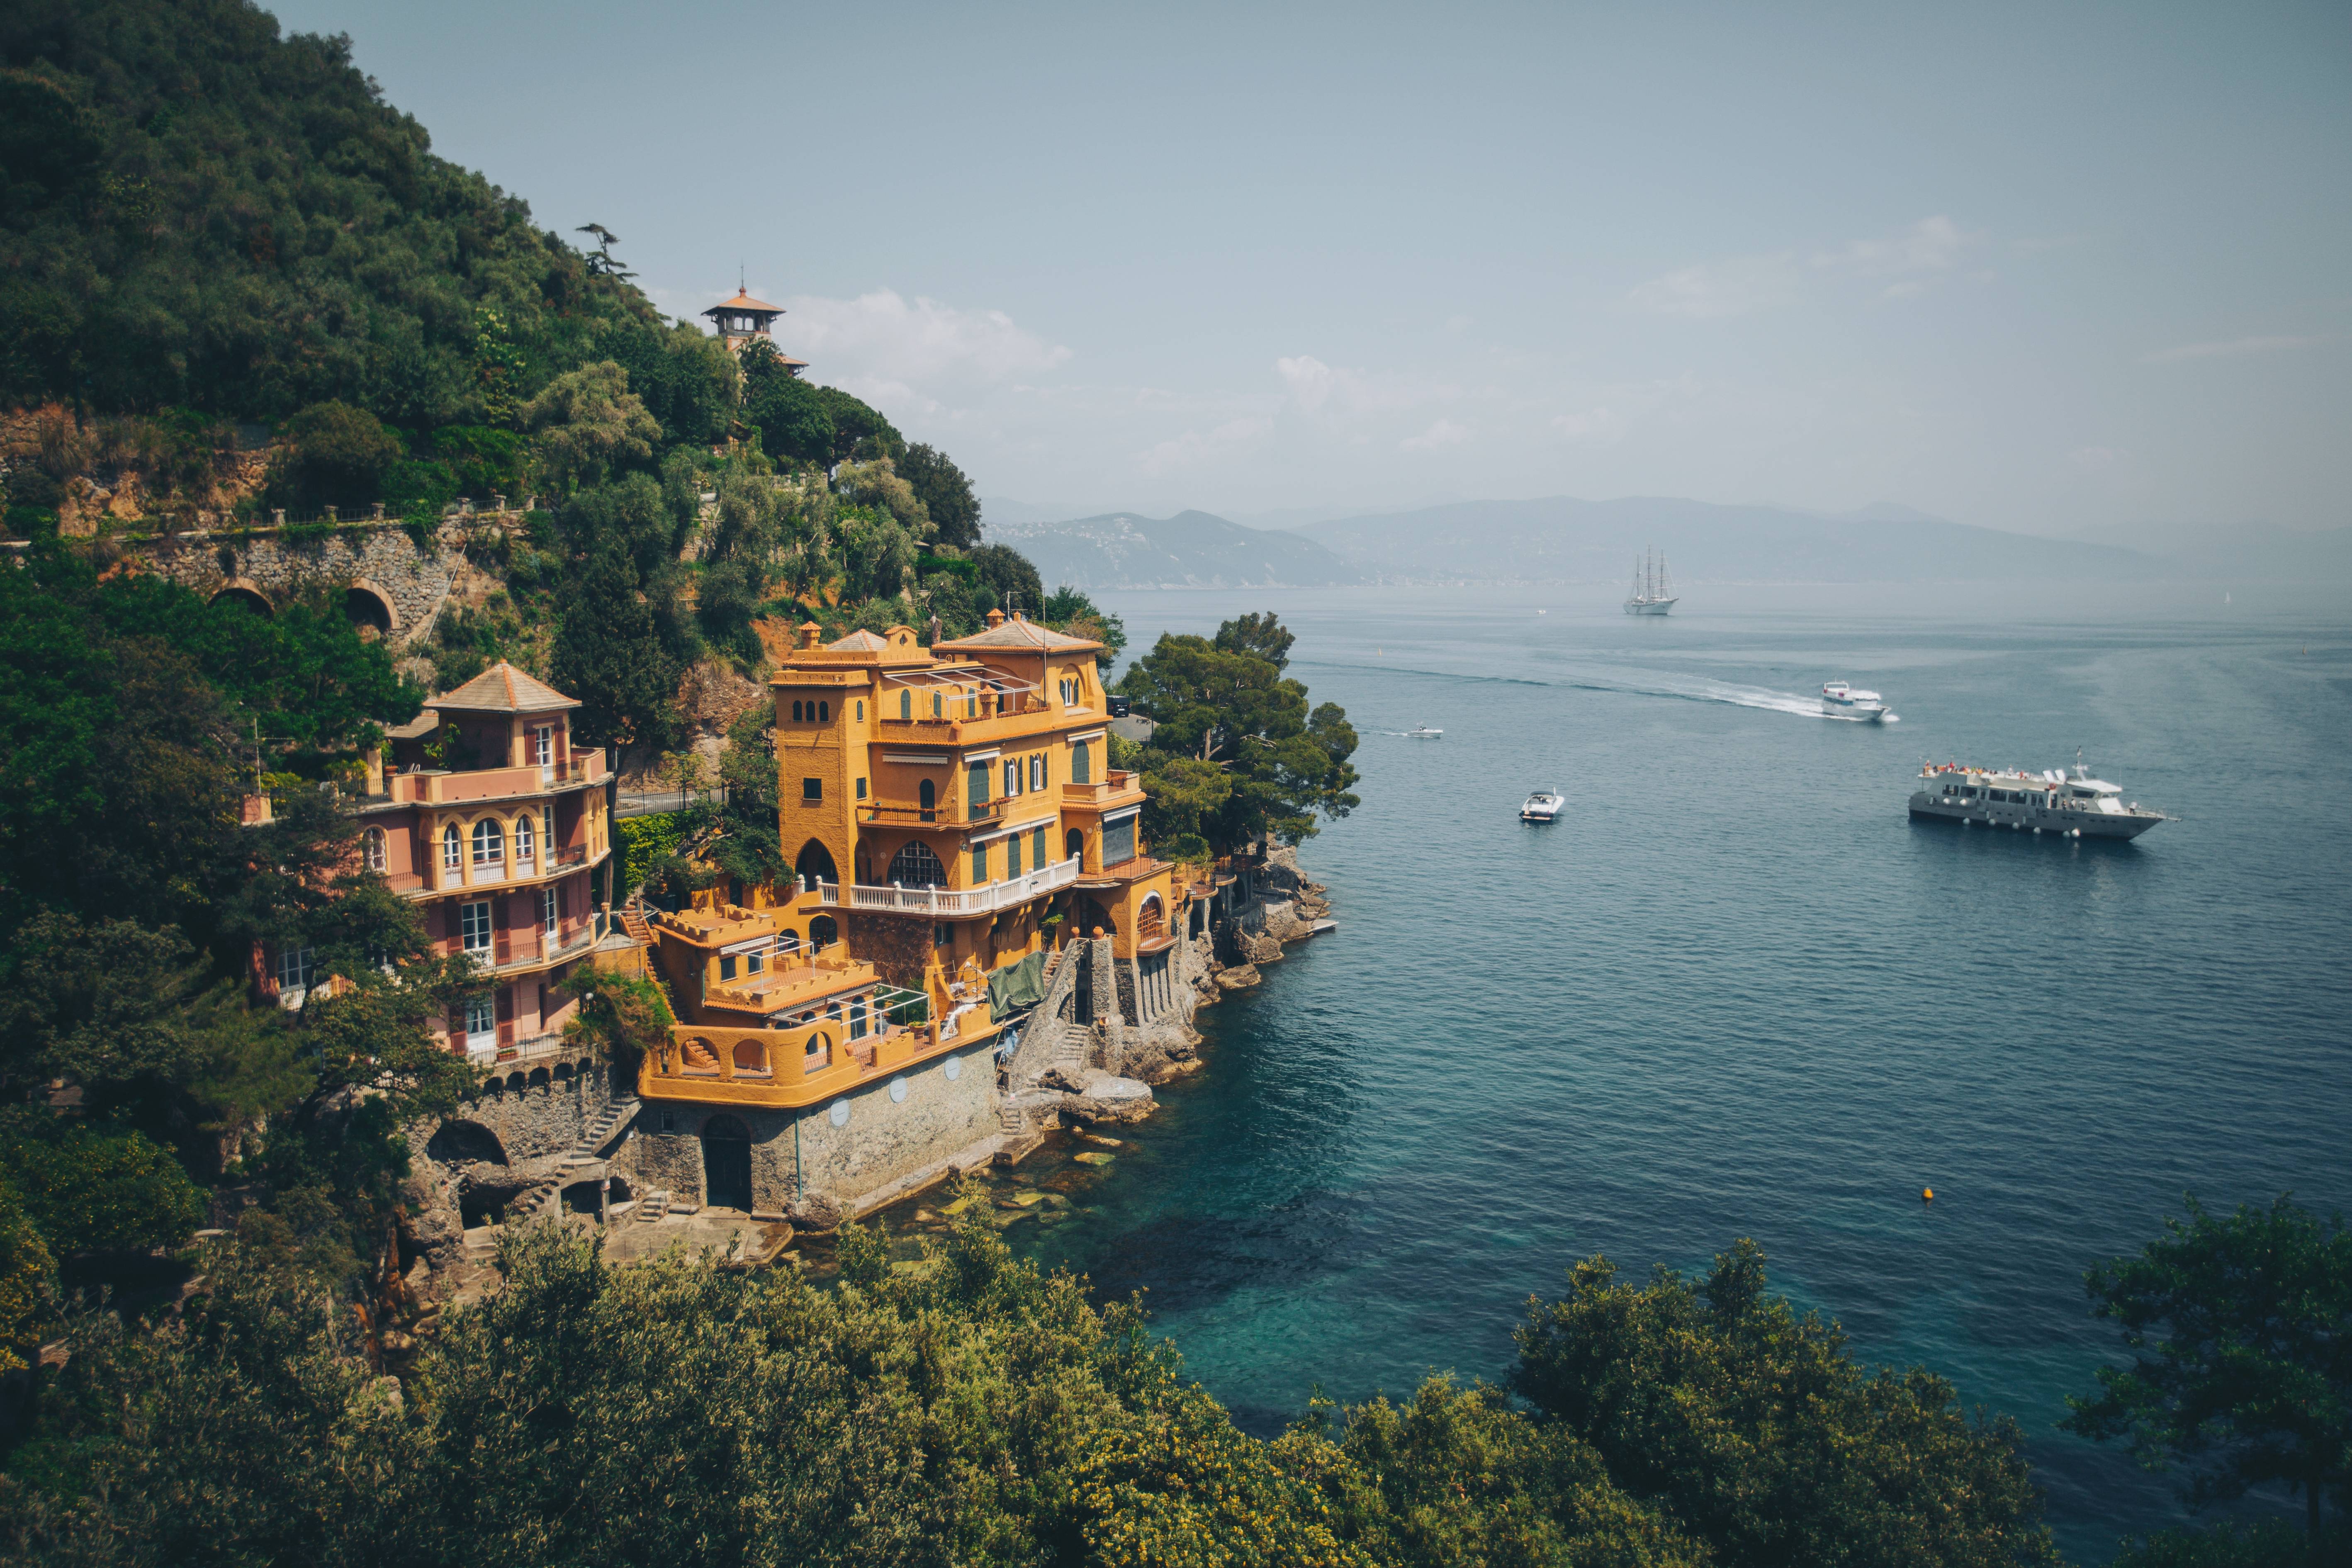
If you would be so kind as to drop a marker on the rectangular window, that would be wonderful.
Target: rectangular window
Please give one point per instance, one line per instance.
(857, 1019)
(812, 790)
(861, 789)
(473, 927)
(294, 968)
(726, 966)
(1012, 777)
(547, 830)
(979, 863)
(979, 783)
(543, 745)
(1118, 842)
(753, 963)
(547, 911)
(481, 1026)
(1012, 856)
(1037, 850)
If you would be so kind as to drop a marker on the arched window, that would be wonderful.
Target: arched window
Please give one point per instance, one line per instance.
(927, 796)
(751, 1056)
(1074, 845)
(1082, 767)
(822, 932)
(796, 712)
(825, 712)
(906, 705)
(815, 864)
(374, 842)
(489, 842)
(1153, 920)
(915, 866)
(524, 846)
(453, 848)
(861, 710)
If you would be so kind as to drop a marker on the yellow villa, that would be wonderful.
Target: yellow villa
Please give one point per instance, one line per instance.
(952, 818)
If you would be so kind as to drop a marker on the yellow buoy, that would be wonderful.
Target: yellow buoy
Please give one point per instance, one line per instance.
(1926, 1195)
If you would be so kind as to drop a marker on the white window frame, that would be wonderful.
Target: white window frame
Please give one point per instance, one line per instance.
(525, 834)
(374, 849)
(453, 848)
(543, 745)
(474, 922)
(297, 968)
(482, 1025)
(490, 849)
(549, 915)
(1012, 777)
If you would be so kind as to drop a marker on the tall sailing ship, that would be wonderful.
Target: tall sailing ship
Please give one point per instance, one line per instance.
(1652, 593)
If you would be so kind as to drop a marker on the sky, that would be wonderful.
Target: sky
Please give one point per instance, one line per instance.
(2051, 269)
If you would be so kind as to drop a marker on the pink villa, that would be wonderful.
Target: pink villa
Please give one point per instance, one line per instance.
(484, 815)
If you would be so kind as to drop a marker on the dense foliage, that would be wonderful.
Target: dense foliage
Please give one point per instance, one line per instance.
(1237, 756)
(133, 903)
(964, 1409)
(2241, 1333)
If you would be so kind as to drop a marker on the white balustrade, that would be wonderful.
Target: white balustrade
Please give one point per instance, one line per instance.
(895, 899)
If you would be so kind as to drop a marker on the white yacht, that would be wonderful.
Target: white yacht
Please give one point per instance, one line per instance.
(1543, 805)
(1651, 595)
(1424, 733)
(1840, 701)
(2071, 805)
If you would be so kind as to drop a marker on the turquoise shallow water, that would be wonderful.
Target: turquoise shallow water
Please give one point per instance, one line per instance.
(1736, 992)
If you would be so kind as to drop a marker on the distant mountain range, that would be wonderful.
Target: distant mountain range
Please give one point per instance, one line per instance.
(1561, 539)
(1191, 549)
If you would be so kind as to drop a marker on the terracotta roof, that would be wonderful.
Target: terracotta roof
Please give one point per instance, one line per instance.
(416, 728)
(743, 301)
(503, 689)
(1022, 634)
(860, 641)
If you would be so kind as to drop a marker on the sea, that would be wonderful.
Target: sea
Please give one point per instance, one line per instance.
(1734, 990)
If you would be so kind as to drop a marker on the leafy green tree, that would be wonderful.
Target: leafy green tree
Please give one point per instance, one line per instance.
(2249, 1543)
(333, 454)
(859, 432)
(589, 426)
(1235, 711)
(1007, 578)
(27, 1278)
(1753, 1427)
(1262, 635)
(945, 492)
(793, 418)
(2242, 1364)
(1066, 609)
(95, 1189)
(688, 380)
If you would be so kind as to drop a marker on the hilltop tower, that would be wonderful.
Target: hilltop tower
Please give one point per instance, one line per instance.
(741, 320)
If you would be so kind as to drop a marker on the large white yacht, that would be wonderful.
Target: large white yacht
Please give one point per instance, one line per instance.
(1840, 701)
(2071, 805)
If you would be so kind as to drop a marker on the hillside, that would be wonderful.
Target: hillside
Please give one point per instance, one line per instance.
(1562, 538)
(1191, 549)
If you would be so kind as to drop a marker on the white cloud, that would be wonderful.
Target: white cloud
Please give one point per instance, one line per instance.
(1192, 449)
(2230, 348)
(920, 353)
(1444, 433)
(1931, 245)
(1715, 290)
(1341, 393)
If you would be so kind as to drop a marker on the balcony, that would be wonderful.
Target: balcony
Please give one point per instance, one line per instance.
(946, 903)
(1114, 790)
(495, 874)
(907, 813)
(433, 787)
(530, 948)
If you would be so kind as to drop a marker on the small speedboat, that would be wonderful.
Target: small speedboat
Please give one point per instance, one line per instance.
(1840, 701)
(1543, 805)
(1424, 733)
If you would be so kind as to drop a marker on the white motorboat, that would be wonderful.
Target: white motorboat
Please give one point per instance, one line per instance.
(1840, 701)
(1424, 733)
(1543, 805)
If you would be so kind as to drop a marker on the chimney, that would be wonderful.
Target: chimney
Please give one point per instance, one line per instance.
(809, 632)
(995, 619)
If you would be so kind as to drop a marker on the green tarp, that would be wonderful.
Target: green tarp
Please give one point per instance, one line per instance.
(1017, 986)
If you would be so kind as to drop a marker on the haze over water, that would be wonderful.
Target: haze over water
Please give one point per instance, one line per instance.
(1736, 992)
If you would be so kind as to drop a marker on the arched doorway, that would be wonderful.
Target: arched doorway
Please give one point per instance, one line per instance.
(368, 613)
(727, 1164)
(456, 1143)
(245, 597)
(1074, 843)
(1093, 916)
(927, 796)
(822, 932)
(815, 863)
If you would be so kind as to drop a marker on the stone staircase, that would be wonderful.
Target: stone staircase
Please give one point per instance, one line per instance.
(603, 1128)
(653, 1205)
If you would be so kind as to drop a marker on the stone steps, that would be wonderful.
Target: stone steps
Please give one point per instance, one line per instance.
(652, 1206)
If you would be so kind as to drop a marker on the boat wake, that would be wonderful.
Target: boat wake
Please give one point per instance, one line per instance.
(1701, 689)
